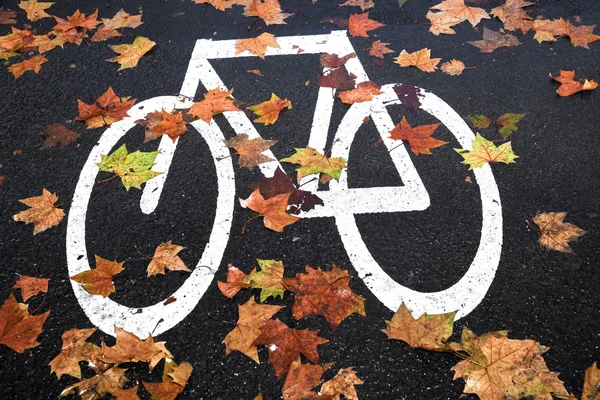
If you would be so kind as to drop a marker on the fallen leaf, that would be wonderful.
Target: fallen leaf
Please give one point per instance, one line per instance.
(76, 25)
(130, 54)
(215, 102)
(42, 212)
(269, 110)
(32, 64)
(130, 348)
(513, 16)
(17, 40)
(250, 150)
(58, 134)
(235, 281)
(333, 60)
(75, 348)
(326, 293)
(269, 279)
(257, 46)
(338, 22)
(165, 257)
(301, 379)
(122, 20)
(459, 10)
(363, 4)
(252, 317)
(35, 10)
(337, 78)
(342, 384)
(268, 10)
(313, 162)
(591, 383)
(222, 5)
(453, 67)
(379, 49)
(480, 121)
(409, 96)
(420, 59)
(485, 151)
(442, 23)
(556, 234)
(274, 210)
(360, 24)
(569, 86)
(104, 33)
(98, 281)
(255, 72)
(19, 329)
(493, 40)
(285, 345)
(548, 30)
(174, 380)
(7, 17)
(132, 168)
(581, 36)
(159, 123)
(96, 387)
(107, 109)
(508, 123)
(419, 137)
(364, 91)
(31, 286)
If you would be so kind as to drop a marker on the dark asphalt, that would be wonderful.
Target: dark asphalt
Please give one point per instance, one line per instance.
(547, 296)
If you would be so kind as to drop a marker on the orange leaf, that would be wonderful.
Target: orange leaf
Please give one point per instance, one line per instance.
(31, 286)
(35, 10)
(453, 67)
(420, 59)
(107, 109)
(547, 30)
(257, 45)
(75, 348)
(130, 348)
(58, 134)
(99, 280)
(581, 36)
(442, 23)
(33, 64)
(569, 86)
(250, 150)
(493, 40)
(130, 54)
(215, 102)
(268, 10)
(363, 4)
(459, 10)
(513, 16)
(222, 5)
(591, 383)
(419, 137)
(364, 91)
(378, 49)
(103, 33)
(7, 17)
(77, 20)
(269, 110)
(235, 281)
(42, 212)
(165, 256)
(556, 234)
(342, 384)
(274, 209)
(19, 329)
(174, 380)
(158, 123)
(122, 20)
(301, 379)
(359, 24)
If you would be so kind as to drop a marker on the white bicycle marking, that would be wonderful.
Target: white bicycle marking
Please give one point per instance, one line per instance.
(340, 201)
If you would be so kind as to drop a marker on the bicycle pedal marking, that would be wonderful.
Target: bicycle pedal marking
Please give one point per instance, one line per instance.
(341, 202)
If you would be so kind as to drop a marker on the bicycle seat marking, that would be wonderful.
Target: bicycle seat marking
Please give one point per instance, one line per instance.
(341, 202)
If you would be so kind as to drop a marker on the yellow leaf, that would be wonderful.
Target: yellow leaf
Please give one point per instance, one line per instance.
(269, 110)
(130, 54)
(420, 59)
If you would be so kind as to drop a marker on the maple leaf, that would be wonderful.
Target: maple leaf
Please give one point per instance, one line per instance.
(107, 109)
(42, 212)
(420, 59)
(32, 64)
(324, 293)
(547, 30)
(342, 384)
(513, 16)
(333, 60)
(341, 23)
(17, 40)
(257, 46)
(485, 151)
(235, 281)
(493, 40)
(409, 96)
(75, 348)
(222, 5)
(313, 162)
(364, 91)
(250, 150)
(268, 10)
(419, 137)
(442, 23)
(453, 67)
(570, 86)
(47, 42)
(130, 54)
(122, 20)
(273, 210)
(19, 329)
(130, 348)
(104, 33)
(58, 134)
(98, 281)
(286, 344)
(496, 368)
(31, 286)
(35, 10)
(215, 102)
(507, 123)
(337, 78)
(158, 123)
(269, 279)
(301, 379)
(165, 256)
(77, 20)
(7, 17)
(581, 36)
(251, 318)
(360, 24)
(591, 383)
(378, 49)
(96, 387)
(132, 168)
(556, 234)
(269, 110)
(174, 380)
(459, 10)
(363, 4)
(428, 332)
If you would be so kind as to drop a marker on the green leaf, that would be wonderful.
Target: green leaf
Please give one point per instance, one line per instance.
(485, 151)
(313, 162)
(480, 121)
(508, 122)
(132, 168)
(269, 279)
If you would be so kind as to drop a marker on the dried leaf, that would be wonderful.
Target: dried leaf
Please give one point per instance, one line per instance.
(175, 378)
(313, 162)
(556, 234)
(364, 91)
(269, 110)
(215, 102)
(42, 212)
(132, 168)
(493, 40)
(130, 348)
(31, 286)
(513, 16)
(235, 281)
(98, 281)
(274, 210)
(337, 78)
(130, 54)
(269, 279)
(485, 151)
(459, 10)
(268, 10)
(104, 33)
(591, 384)
(378, 49)
(570, 86)
(107, 109)
(75, 348)
(342, 384)
(420, 59)
(122, 20)
(257, 46)
(419, 137)
(7, 17)
(363, 4)
(442, 23)
(453, 67)
(32, 64)
(409, 96)
(250, 150)
(165, 256)
(159, 123)
(222, 5)
(333, 60)
(77, 21)
(58, 134)
(110, 381)
(301, 379)
(19, 329)
(35, 10)
(360, 24)
(582, 36)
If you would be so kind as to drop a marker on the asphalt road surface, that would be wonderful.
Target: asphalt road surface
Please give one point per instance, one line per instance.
(551, 297)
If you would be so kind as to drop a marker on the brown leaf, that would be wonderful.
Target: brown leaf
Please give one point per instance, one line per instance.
(513, 16)
(7, 17)
(42, 212)
(257, 46)
(122, 20)
(235, 281)
(301, 379)
(130, 348)
(419, 137)
(324, 293)
(173, 383)
(35, 10)
(548, 30)
(77, 20)
(342, 384)
(19, 329)
(459, 10)
(31, 286)
(591, 384)
(222, 5)
(285, 345)
(360, 24)
(96, 387)
(364, 91)
(255, 72)
(333, 60)
(250, 150)
(103, 33)
(557, 234)
(165, 256)
(442, 23)
(420, 59)
(337, 78)
(378, 49)
(107, 109)
(215, 102)
(363, 4)
(98, 281)
(32, 64)
(453, 67)
(58, 134)
(493, 40)
(581, 36)
(274, 209)
(75, 348)
(251, 318)
(158, 123)
(268, 10)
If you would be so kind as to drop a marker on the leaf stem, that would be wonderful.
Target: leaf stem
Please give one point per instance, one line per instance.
(246, 223)
(108, 179)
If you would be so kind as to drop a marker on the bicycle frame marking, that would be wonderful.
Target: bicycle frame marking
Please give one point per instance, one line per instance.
(341, 202)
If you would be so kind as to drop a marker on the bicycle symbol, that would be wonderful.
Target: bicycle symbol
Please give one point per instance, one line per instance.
(341, 202)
